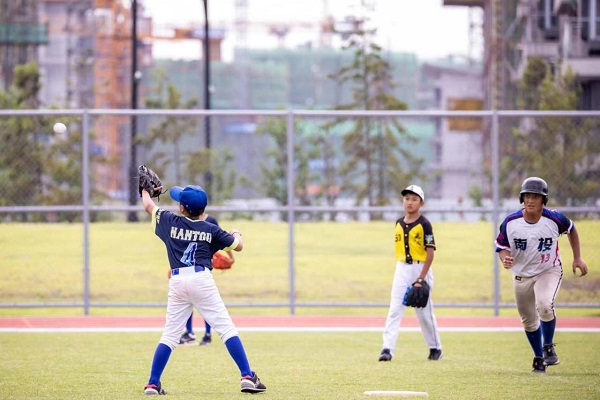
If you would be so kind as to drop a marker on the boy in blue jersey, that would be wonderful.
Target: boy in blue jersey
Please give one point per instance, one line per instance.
(190, 242)
(188, 337)
(528, 246)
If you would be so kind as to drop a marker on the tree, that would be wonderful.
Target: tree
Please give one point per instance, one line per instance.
(62, 173)
(194, 164)
(171, 128)
(38, 166)
(327, 148)
(22, 158)
(224, 178)
(274, 171)
(377, 158)
(559, 149)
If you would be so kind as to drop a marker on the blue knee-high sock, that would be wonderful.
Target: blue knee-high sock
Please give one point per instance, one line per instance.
(161, 357)
(188, 324)
(535, 340)
(236, 350)
(548, 331)
(207, 327)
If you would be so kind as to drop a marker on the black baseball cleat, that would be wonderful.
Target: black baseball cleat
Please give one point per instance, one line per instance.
(385, 355)
(187, 338)
(205, 340)
(550, 357)
(154, 390)
(251, 384)
(539, 366)
(435, 354)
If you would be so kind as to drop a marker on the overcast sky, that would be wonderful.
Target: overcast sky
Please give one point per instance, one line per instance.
(424, 27)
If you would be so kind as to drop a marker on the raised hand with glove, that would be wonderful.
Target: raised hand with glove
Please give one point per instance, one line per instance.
(149, 181)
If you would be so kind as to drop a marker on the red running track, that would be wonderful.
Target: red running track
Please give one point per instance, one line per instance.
(285, 322)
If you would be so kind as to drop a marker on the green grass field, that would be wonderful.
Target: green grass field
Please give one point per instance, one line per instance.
(295, 366)
(350, 262)
(334, 262)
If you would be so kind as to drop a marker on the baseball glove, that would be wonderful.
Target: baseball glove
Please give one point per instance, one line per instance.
(417, 296)
(221, 261)
(148, 180)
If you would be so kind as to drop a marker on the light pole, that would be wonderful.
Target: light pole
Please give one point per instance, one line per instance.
(207, 138)
(135, 78)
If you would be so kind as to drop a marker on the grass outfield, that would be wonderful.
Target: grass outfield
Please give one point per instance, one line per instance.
(334, 262)
(296, 366)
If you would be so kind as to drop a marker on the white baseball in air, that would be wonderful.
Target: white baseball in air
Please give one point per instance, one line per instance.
(59, 128)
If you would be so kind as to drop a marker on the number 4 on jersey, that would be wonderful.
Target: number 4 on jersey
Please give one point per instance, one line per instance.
(189, 255)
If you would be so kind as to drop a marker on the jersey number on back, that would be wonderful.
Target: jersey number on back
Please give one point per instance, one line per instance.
(189, 256)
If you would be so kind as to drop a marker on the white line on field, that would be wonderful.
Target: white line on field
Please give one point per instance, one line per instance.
(275, 329)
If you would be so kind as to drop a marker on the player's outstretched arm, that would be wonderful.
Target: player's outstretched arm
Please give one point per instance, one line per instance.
(576, 247)
(147, 201)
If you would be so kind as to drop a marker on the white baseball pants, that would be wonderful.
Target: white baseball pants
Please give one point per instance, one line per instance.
(190, 290)
(406, 275)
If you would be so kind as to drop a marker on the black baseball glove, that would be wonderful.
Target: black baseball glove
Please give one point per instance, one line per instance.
(148, 180)
(417, 296)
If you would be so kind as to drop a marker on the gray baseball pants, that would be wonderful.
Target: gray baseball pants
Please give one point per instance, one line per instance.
(535, 297)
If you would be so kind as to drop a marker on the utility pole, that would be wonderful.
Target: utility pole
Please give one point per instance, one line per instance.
(135, 77)
(207, 138)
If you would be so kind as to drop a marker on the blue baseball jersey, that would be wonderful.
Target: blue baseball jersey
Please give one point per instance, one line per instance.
(212, 220)
(190, 242)
(534, 247)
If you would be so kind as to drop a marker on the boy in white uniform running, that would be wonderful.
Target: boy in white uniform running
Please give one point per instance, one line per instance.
(528, 246)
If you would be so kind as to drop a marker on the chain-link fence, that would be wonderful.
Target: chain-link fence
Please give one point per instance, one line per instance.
(284, 174)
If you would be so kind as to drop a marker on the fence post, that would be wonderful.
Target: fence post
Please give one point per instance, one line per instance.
(495, 207)
(290, 207)
(85, 183)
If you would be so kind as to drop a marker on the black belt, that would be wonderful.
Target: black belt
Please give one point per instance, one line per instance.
(197, 268)
(414, 262)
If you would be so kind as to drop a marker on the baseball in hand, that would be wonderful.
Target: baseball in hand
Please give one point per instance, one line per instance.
(59, 128)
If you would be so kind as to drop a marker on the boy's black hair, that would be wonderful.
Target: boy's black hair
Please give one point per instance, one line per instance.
(196, 214)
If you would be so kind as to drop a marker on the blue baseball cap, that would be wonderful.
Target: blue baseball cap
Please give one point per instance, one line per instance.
(192, 197)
